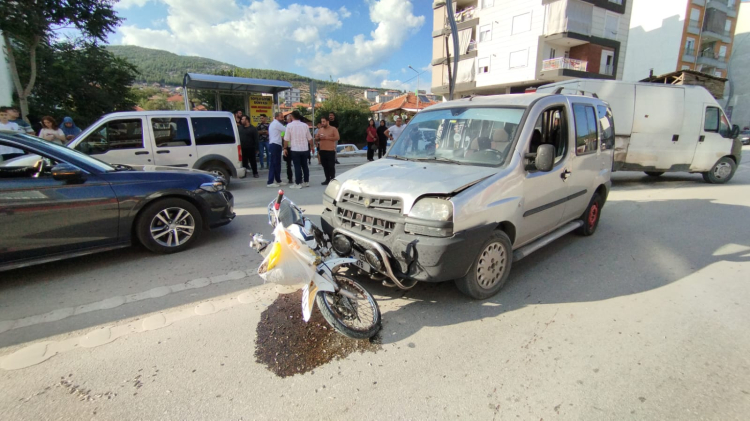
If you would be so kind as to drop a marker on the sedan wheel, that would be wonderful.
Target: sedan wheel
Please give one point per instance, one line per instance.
(169, 225)
(172, 227)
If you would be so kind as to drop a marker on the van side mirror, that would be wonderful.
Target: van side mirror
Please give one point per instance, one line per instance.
(545, 158)
(735, 132)
(67, 172)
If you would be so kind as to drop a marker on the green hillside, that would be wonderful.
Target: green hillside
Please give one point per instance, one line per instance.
(159, 66)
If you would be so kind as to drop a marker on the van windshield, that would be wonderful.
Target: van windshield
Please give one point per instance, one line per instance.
(472, 136)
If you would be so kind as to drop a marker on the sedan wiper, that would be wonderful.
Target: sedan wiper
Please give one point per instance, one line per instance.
(439, 159)
(401, 158)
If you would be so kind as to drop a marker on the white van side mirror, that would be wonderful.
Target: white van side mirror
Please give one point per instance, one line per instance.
(545, 158)
(735, 132)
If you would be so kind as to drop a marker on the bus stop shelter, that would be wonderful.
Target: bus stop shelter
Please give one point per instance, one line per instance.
(229, 85)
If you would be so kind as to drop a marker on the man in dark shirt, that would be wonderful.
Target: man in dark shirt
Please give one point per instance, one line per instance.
(249, 142)
(263, 141)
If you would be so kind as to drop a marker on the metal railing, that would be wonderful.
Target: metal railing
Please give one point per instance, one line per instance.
(564, 63)
(689, 51)
(694, 25)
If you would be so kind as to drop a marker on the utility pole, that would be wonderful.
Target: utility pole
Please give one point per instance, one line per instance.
(417, 93)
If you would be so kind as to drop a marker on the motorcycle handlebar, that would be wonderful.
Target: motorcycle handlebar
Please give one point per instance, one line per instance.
(278, 199)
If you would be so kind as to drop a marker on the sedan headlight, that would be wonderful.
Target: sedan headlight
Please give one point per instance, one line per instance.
(333, 188)
(433, 209)
(213, 187)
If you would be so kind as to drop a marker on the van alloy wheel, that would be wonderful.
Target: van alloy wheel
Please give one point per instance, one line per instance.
(722, 171)
(491, 265)
(172, 227)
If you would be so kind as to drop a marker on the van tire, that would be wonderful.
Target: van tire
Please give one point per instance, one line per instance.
(654, 173)
(496, 250)
(591, 216)
(718, 174)
(219, 170)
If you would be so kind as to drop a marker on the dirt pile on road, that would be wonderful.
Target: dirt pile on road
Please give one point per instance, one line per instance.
(287, 345)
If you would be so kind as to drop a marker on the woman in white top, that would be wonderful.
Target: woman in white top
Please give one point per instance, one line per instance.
(51, 132)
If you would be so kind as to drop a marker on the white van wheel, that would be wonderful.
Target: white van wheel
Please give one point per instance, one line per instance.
(722, 172)
(219, 171)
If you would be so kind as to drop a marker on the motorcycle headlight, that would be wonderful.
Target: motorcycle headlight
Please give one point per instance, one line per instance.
(433, 209)
(333, 188)
(215, 186)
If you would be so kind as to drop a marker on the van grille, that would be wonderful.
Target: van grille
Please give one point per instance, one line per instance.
(386, 204)
(373, 226)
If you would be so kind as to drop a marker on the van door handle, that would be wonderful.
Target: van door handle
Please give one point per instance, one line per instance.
(565, 174)
(142, 153)
(701, 138)
(162, 151)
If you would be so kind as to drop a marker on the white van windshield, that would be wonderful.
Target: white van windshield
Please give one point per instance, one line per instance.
(474, 136)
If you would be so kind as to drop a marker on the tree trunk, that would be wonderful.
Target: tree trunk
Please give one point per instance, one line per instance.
(23, 94)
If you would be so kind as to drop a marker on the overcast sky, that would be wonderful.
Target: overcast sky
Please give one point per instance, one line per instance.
(362, 42)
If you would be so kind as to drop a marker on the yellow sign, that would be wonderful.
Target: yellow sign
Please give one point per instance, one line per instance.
(260, 104)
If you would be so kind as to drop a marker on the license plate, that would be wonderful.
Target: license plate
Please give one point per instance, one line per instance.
(361, 263)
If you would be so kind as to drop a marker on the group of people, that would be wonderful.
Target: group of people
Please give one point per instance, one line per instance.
(289, 139)
(10, 120)
(377, 138)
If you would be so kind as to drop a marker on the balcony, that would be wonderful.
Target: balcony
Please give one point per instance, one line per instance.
(723, 5)
(694, 27)
(688, 55)
(712, 59)
(716, 34)
(564, 63)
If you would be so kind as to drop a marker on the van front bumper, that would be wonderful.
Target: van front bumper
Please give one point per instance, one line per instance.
(418, 257)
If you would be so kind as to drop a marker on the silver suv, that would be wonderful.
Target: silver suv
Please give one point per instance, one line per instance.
(503, 176)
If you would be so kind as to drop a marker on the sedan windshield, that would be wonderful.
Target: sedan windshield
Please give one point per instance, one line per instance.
(472, 136)
(68, 152)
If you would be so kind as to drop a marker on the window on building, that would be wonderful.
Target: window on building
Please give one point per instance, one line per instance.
(587, 139)
(552, 53)
(611, 25)
(521, 24)
(213, 130)
(728, 28)
(717, 73)
(487, 3)
(483, 65)
(690, 46)
(485, 33)
(519, 58)
(695, 16)
(685, 67)
(723, 53)
(616, 2)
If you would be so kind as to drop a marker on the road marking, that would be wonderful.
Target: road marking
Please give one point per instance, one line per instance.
(112, 302)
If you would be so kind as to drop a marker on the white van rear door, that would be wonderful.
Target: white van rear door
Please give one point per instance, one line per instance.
(118, 141)
(712, 145)
(173, 144)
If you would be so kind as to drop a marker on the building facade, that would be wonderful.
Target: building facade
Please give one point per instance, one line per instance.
(371, 94)
(672, 35)
(508, 46)
(290, 96)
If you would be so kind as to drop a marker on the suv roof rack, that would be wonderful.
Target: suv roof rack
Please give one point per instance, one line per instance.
(559, 90)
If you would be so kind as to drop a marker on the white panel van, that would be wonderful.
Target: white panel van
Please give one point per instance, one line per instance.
(204, 140)
(665, 128)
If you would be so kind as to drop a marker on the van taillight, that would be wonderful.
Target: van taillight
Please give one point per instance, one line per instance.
(239, 152)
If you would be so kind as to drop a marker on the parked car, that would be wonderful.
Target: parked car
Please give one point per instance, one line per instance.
(665, 128)
(507, 175)
(745, 137)
(69, 204)
(204, 140)
(349, 149)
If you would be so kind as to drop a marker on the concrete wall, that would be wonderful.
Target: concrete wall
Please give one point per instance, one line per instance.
(6, 86)
(655, 35)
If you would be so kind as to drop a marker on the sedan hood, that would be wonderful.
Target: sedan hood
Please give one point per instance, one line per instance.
(155, 168)
(410, 180)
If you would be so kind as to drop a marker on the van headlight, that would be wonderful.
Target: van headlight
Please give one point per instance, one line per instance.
(432, 209)
(332, 190)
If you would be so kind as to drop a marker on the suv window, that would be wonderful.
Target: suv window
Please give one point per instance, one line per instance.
(607, 127)
(170, 132)
(550, 129)
(586, 135)
(213, 130)
(112, 135)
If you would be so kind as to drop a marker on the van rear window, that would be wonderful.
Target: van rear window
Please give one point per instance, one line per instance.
(213, 131)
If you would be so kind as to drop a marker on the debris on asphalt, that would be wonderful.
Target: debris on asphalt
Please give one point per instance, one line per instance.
(287, 345)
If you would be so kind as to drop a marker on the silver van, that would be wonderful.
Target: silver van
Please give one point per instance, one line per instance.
(504, 176)
(203, 140)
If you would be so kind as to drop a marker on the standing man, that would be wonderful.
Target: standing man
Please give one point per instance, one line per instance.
(327, 137)
(6, 152)
(238, 117)
(15, 117)
(249, 142)
(298, 137)
(288, 153)
(334, 123)
(275, 147)
(263, 140)
(394, 132)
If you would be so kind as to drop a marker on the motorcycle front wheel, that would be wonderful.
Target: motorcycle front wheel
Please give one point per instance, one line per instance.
(357, 319)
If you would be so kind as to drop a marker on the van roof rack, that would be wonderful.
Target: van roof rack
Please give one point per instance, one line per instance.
(559, 90)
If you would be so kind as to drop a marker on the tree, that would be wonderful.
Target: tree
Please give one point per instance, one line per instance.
(81, 78)
(28, 24)
(352, 114)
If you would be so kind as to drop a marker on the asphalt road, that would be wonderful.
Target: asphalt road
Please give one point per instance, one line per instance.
(647, 319)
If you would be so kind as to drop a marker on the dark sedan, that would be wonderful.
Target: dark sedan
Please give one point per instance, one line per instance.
(745, 137)
(57, 203)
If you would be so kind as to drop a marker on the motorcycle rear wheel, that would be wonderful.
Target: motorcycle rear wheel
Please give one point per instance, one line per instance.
(357, 319)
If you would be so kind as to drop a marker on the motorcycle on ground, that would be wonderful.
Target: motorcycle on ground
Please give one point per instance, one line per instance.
(302, 252)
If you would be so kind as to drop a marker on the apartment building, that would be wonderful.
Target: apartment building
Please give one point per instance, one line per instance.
(290, 96)
(672, 35)
(371, 94)
(508, 46)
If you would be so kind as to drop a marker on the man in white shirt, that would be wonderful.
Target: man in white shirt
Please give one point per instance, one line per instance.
(274, 149)
(394, 132)
(6, 152)
(298, 136)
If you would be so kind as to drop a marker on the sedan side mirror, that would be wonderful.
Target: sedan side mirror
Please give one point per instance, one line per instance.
(735, 132)
(67, 172)
(545, 158)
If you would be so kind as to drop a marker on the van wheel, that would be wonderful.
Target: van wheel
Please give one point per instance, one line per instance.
(722, 172)
(220, 171)
(490, 269)
(169, 225)
(591, 217)
(654, 173)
